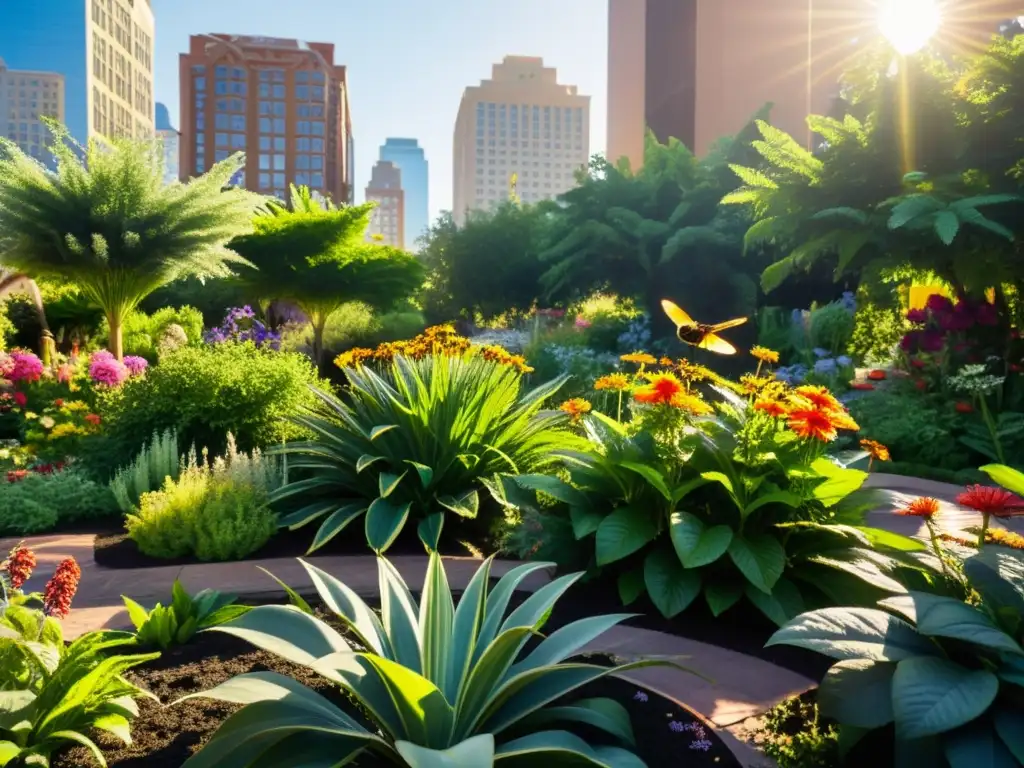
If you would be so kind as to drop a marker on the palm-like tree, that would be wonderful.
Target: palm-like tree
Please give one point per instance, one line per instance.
(109, 223)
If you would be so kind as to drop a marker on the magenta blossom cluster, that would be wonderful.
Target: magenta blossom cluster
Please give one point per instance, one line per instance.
(23, 366)
(136, 365)
(941, 318)
(106, 370)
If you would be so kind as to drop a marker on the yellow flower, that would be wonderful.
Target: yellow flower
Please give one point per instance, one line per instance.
(31, 415)
(616, 382)
(692, 372)
(67, 429)
(691, 404)
(353, 358)
(765, 355)
(640, 358)
(875, 449)
(76, 405)
(576, 408)
(752, 384)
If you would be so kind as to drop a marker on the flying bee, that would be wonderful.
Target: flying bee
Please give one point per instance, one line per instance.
(698, 334)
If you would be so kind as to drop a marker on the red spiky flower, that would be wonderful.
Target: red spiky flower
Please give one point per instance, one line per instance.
(61, 589)
(991, 501)
(19, 565)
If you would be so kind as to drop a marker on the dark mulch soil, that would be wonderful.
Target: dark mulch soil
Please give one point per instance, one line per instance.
(165, 736)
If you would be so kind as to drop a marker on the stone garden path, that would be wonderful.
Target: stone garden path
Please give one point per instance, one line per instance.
(743, 687)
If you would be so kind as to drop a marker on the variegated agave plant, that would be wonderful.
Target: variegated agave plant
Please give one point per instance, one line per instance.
(443, 686)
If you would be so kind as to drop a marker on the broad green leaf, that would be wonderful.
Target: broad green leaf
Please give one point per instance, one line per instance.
(623, 532)
(880, 538)
(335, 524)
(723, 480)
(858, 692)
(8, 751)
(940, 616)
(1008, 477)
(1009, 724)
(631, 585)
(976, 745)
(786, 498)
(429, 530)
(684, 490)
(654, 478)
(535, 609)
(466, 504)
(485, 676)
(782, 604)
(388, 482)
(838, 485)
(854, 633)
(947, 225)
(437, 614)
(584, 521)
(562, 748)
(671, 586)
(473, 752)
(398, 616)
(347, 605)
(427, 717)
(136, 612)
(293, 597)
(497, 603)
(286, 631)
(721, 595)
(382, 429)
(605, 714)
(998, 574)
(426, 474)
(469, 617)
(695, 544)
(384, 521)
(760, 558)
(932, 695)
(306, 514)
(553, 487)
(864, 569)
(565, 642)
(366, 460)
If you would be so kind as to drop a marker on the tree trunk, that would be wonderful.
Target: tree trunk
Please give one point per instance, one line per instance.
(115, 344)
(319, 322)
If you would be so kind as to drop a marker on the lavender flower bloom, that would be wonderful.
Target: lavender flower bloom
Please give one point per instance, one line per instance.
(849, 302)
(825, 367)
(702, 745)
(844, 361)
(136, 365)
(820, 353)
(676, 726)
(641, 697)
(240, 325)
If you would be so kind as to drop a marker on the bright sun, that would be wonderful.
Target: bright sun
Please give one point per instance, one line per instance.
(909, 24)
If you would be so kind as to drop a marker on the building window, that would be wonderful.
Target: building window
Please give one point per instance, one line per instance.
(302, 179)
(238, 141)
(264, 162)
(279, 162)
(318, 93)
(265, 125)
(237, 122)
(221, 122)
(317, 145)
(319, 77)
(279, 180)
(317, 162)
(278, 125)
(317, 180)
(221, 139)
(264, 181)
(278, 92)
(302, 161)
(221, 154)
(302, 92)
(318, 128)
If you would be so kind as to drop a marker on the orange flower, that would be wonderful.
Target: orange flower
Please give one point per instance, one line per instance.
(616, 382)
(576, 408)
(93, 418)
(667, 362)
(875, 449)
(765, 355)
(809, 423)
(19, 564)
(691, 404)
(773, 408)
(877, 375)
(819, 397)
(661, 389)
(843, 420)
(924, 506)
(61, 589)
(640, 358)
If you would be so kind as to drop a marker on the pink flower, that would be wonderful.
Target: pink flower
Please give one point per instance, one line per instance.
(106, 370)
(26, 367)
(136, 365)
(20, 399)
(64, 373)
(986, 314)
(931, 341)
(582, 322)
(919, 316)
(939, 304)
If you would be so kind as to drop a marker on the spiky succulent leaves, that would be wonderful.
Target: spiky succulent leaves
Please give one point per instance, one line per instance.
(111, 225)
(416, 440)
(441, 682)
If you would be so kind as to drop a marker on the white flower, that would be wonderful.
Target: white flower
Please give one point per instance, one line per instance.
(47, 422)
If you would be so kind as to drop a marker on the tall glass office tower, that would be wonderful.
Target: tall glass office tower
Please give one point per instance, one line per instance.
(408, 156)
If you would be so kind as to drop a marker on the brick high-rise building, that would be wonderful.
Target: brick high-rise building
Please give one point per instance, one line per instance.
(387, 222)
(103, 50)
(698, 71)
(521, 122)
(283, 102)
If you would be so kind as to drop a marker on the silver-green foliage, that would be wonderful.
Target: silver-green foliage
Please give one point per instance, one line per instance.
(416, 442)
(442, 685)
(158, 460)
(53, 696)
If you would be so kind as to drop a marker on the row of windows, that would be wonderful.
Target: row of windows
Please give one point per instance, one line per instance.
(229, 122)
(278, 180)
(271, 75)
(233, 140)
(536, 109)
(117, 21)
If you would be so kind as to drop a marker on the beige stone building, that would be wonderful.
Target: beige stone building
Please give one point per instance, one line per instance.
(120, 52)
(387, 222)
(25, 99)
(521, 121)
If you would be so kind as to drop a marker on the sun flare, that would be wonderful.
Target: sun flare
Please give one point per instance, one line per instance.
(909, 24)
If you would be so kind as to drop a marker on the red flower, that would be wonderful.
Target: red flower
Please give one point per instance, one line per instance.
(1016, 367)
(19, 564)
(917, 362)
(813, 424)
(20, 399)
(865, 386)
(59, 402)
(964, 407)
(93, 418)
(991, 501)
(61, 589)
(14, 475)
(921, 385)
(877, 375)
(919, 316)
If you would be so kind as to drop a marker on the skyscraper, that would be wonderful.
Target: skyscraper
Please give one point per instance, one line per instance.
(387, 222)
(26, 98)
(284, 102)
(104, 51)
(172, 143)
(407, 155)
(523, 122)
(700, 74)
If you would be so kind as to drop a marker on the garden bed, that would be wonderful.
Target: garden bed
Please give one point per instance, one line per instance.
(166, 736)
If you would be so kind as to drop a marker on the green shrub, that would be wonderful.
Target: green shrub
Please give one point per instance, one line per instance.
(215, 512)
(158, 460)
(41, 502)
(142, 333)
(831, 327)
(390, 326)
(916, 427)
(877, 332)
(6, 327)
(794, 737)
(609, 318)
(204, 393)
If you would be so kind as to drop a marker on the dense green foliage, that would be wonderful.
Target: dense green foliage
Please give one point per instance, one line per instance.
(42, 502)
(204, 393)
(440, 684)
(175, 624)
(416, 442)
(144, 335)
(109, 223)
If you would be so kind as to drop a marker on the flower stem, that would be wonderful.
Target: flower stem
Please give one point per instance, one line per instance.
(984, 529)
(618, 415)
(935, 546)
(993, 433)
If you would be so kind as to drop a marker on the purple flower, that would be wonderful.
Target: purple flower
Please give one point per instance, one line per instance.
(676, 726)
(702, 745)
(932, 341)
(24, 366)
(240, 325)
(986, 314)
(939, 304)
(919, 316)
(641, 697)
(106, 370)
(136, 365)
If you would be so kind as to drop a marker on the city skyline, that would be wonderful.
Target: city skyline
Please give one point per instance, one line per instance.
(411, 91)
(410, 159)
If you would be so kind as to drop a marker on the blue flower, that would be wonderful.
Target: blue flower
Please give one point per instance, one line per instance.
(641, 697)
(819, 352)
(825, 367)
(844, 361)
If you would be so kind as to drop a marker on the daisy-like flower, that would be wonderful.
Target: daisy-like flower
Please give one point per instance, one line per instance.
(875, 449)
(772, 407)
(923, 506)
(691, 404)
(753, 384)
(660, 390)
(692, 372)
(576, 408)
(616, 382)
(93, 418)
(765, 355)
(641, 697)
(991, 501)
(19, 565)
(639, 358)
(812, 424)
(47, 422)
(60, 590)
(818, 397)
(1005, 538)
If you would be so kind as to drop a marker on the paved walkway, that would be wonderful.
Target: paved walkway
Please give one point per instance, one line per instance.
(743, 687)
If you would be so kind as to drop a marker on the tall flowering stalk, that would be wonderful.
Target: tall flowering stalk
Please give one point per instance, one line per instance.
(60, 590)
(18, 567)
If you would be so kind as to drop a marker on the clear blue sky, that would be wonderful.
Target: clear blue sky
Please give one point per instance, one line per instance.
(408, 60)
